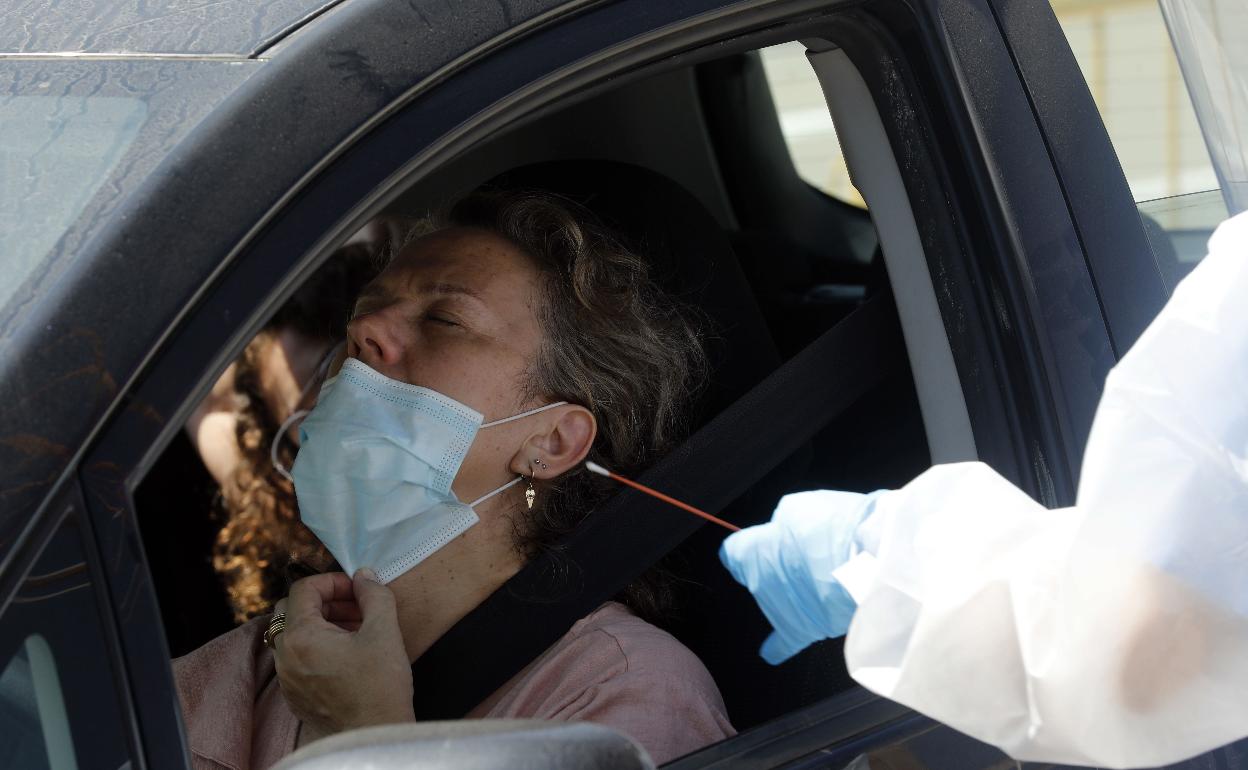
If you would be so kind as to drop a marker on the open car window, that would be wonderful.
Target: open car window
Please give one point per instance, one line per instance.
(799, 275)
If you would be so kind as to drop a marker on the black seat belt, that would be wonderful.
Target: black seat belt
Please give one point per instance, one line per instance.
(630, 532)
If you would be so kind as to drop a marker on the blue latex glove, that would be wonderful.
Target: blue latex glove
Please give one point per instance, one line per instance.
(787, 565)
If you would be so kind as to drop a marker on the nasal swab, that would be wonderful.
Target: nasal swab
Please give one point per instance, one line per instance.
(601, 471)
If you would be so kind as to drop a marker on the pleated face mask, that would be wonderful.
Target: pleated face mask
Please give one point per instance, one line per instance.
(376, 461)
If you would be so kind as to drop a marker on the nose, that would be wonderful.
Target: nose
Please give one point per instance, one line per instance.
(375, 339)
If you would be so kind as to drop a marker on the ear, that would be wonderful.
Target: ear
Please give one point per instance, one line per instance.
(561, 444)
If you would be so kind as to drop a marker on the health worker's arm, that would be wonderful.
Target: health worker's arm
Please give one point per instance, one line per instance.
(1113, 633)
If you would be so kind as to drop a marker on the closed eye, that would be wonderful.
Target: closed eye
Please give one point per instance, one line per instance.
(439, 319)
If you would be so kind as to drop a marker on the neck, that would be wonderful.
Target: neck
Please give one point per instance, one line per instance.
(440, 591)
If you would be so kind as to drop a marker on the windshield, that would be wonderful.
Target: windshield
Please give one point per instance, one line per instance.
(1209, 37)
(77, 136)
(55, 152)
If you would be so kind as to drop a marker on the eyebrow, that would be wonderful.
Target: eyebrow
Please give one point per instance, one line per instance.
(450, 288)
(375, 291)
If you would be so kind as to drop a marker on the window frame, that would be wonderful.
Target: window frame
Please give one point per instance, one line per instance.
(1124, 270)
(1022, 314)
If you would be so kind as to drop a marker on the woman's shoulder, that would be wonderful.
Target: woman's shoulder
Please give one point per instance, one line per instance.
(616, 669)
(643, 648)
(229, 660)
(225, 698)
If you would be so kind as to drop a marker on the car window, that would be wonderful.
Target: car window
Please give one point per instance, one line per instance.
(1124, 51)
(33, 709)
(59, 705)
(804, 120)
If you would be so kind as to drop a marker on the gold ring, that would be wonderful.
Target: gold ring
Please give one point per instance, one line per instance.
(276, 626)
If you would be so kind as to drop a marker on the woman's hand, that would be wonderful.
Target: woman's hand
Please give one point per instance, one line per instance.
(341, 660)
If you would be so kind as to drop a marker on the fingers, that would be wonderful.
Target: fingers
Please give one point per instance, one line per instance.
(342, 612)
(376, 601)
(339, 608)
(309, 596)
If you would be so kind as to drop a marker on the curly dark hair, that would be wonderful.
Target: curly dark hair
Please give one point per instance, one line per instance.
(262, 544)
(614, 342)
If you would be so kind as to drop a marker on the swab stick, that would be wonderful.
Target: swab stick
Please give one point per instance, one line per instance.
(594, 467)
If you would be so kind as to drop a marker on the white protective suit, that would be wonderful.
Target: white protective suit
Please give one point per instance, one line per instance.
(1112, 633)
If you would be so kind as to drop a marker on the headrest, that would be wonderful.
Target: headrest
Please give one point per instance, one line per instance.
(689, 254)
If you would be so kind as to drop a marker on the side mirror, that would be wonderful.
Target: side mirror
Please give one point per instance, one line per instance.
(473, 744)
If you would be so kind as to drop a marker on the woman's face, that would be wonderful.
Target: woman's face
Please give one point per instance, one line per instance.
(454, 312)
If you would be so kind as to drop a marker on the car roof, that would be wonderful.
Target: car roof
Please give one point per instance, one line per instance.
(238, 28)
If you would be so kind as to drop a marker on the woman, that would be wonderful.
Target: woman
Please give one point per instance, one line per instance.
(494, 355)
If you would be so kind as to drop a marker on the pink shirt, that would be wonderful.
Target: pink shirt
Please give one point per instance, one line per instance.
(612, 668)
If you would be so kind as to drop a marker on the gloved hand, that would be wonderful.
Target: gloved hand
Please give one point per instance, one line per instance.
(787, 565)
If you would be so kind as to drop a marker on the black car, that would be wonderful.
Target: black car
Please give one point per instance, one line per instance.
(171, 173)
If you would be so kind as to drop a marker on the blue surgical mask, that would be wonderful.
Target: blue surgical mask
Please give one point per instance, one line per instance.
(376, 461)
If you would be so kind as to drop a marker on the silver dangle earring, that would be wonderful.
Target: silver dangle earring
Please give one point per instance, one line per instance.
(530, 494)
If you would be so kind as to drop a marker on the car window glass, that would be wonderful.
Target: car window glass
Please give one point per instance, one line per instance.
(805, 122)
(54, 155)
(33, 709)
(59, 704)
(1124, 51)
(77, 138)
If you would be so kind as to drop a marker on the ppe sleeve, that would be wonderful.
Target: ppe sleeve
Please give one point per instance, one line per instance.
(1113, 633)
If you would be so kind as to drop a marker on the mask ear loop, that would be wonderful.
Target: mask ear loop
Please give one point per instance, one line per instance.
(498, 491)
(277, 440)
(524, 414)
(318, 378)
(517, 479)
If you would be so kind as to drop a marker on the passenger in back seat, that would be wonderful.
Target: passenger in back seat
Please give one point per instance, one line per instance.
(519, 311)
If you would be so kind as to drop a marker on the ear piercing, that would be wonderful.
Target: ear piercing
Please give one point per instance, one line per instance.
(530, 494)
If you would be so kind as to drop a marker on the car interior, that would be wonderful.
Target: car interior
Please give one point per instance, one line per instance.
(690, 164)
